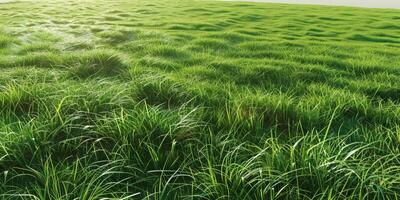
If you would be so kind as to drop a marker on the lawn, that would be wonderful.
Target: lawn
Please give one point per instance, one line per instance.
(186, 99)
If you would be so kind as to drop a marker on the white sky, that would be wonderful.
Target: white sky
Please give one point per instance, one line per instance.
(7, 1)
(357, 3)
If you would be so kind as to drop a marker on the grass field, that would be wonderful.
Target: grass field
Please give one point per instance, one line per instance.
(198, 100)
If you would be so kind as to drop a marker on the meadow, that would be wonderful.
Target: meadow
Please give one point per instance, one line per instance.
(188, 99)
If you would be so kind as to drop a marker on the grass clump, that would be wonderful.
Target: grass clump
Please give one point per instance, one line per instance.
(19, 98)
(96, 63)
(5, 41)
(40, 59)
(39, 47)
(161, 91)
(115, 37)
(209, 45)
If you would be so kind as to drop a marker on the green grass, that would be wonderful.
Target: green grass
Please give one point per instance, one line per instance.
(198, 100)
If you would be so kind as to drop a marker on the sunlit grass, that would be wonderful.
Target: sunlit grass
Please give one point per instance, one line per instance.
(198, 100)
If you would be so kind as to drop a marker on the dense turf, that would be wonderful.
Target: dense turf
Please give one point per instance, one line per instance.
(198, 100)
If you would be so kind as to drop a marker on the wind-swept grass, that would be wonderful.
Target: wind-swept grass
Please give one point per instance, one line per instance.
(5, 41)
(198, 100)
